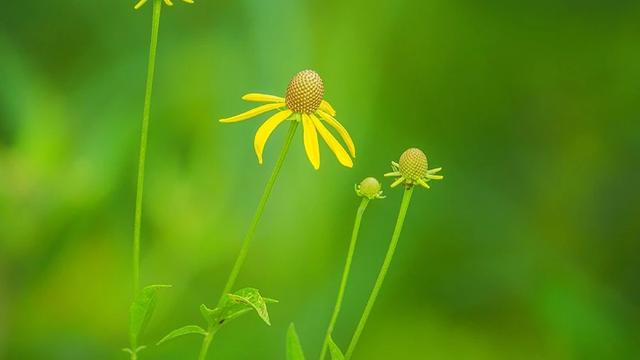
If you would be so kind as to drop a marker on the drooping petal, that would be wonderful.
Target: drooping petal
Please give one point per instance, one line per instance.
(397, 182)
(266, 129)
(311, 141)
(139, 4)
(326, 107)
(253, 112)
(341, 130)
(168, 2)
(334, 145)
(423, 183)
(188, 1)
(262, 98)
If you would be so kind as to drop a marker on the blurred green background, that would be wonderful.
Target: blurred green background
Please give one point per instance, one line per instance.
(527, 250)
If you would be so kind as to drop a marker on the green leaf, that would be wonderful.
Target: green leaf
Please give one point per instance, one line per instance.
(141, 310)
(242, 302)
(294, 349)
(237, 304)
(336, 354)
(252, 298)
(185, 330)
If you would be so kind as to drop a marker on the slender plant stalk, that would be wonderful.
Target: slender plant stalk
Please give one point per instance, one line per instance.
(249, 235)
(204, 349)
(406, 199)
(345, 275)
(155, 25)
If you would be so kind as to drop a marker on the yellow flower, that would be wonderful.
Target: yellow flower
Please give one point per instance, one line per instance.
(413, 169)
(304, 102)
(167, 2)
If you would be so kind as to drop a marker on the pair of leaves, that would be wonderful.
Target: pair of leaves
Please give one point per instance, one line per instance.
(294, 349)
(232, 306)
(140, 313)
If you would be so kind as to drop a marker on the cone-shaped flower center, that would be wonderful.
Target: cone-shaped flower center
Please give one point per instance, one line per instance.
(413, 164)
(305, 92)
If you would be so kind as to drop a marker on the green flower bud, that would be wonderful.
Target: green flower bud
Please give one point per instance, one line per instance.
(413, 169)
(370, 188)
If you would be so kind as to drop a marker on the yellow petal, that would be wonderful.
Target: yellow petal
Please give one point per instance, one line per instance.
(253, 112)
(266, 129)
(341, 130)
(262, 98)
(139, 4)
(188, 1)
(326, 107)
(334, 145)
(311, 141)
(168, 2)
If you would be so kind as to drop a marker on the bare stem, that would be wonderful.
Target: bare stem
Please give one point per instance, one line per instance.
(155, 25)
(251, 231)
(345, 275)
(406, 199)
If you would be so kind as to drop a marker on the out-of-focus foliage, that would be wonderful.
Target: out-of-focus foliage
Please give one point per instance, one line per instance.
(527, 250)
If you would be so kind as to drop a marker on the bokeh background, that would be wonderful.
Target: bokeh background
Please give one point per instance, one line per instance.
(528, 249)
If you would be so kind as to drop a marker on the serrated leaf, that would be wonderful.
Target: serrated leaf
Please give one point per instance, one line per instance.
(141, 310)
(242, 301)
(185, 330)
(336, 353)
(294, 349)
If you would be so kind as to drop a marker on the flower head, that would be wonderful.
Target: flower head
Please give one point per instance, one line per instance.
(370, 188)
(413, 169)
(166, 2)
(303, 102)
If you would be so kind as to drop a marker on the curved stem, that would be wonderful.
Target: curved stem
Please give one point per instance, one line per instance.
(251, 231)
(406, 199)
(155, 25)
(345, 276)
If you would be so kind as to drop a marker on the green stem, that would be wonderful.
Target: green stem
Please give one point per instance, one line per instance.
(204, 349)
(406, 199)
(345, 275)
(155, 25)
(251, 231)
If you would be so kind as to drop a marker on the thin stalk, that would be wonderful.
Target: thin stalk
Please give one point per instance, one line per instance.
(345, 275)
(204, 349)
(155, 25)
(250, 232)
(406, 199)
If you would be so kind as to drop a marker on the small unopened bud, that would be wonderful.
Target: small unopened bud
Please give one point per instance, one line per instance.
(370, 188)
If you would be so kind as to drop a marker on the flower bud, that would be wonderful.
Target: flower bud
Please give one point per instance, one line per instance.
(370, 188)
